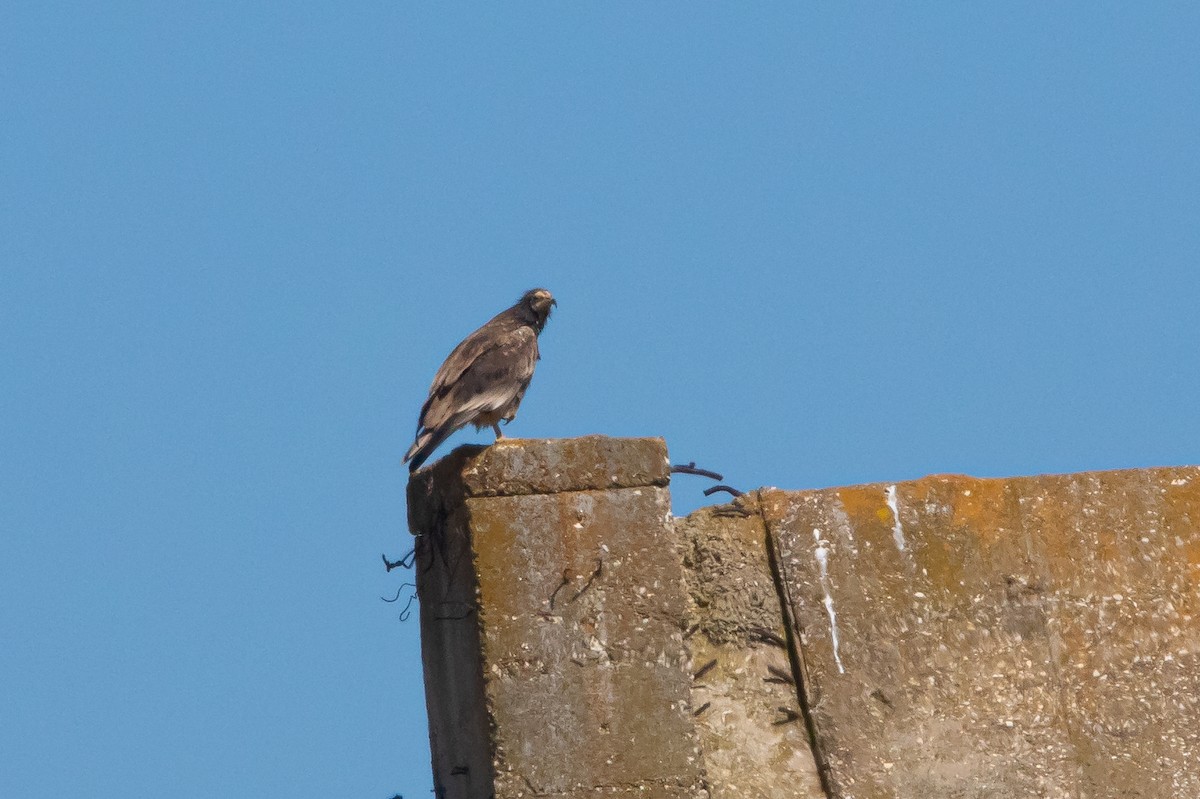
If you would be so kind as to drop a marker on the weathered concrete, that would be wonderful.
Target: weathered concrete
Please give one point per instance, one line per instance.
(451, 650)
(946, 638)
(1000, 638)
(514, 466)
(752, 729)
(558, 562)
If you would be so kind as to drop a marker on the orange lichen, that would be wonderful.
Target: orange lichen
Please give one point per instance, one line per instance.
(867, 507)
(980, 506)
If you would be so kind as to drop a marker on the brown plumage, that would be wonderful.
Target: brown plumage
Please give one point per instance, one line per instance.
(485, 377)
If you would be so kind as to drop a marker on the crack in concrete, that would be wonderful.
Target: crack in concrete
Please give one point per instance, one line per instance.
(795, 656)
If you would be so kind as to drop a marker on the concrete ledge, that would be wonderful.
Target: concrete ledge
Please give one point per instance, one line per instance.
(519, 466)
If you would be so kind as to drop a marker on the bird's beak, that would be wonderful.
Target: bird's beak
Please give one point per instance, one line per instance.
(554, 303)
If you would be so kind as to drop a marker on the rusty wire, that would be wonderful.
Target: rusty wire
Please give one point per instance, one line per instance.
(692, 468)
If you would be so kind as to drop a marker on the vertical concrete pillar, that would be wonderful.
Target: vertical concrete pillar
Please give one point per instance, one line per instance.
(553, 612)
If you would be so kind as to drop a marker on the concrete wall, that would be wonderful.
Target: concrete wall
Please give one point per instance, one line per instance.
(946, 637)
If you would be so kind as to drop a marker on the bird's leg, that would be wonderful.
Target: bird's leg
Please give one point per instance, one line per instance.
(496, 427)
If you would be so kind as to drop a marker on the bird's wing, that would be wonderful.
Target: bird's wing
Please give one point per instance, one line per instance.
(484, 373)
(462, 356)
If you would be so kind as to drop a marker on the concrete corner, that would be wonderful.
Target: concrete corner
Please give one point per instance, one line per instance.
(553, 611)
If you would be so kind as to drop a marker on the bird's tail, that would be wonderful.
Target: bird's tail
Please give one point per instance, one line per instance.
(427, 441)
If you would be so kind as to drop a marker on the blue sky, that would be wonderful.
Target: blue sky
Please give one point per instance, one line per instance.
(807, 247)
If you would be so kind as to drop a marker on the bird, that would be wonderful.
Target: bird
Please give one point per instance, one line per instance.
(484, 378)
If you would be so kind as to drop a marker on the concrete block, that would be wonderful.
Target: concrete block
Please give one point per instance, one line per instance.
(553, 612)
(998, 638)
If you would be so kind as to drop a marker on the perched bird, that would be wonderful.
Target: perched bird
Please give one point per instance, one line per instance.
(485, 377)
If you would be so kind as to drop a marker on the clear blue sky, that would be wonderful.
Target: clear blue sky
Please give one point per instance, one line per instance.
(807, 248)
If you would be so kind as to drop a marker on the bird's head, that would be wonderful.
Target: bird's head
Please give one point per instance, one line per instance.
(535, 305)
